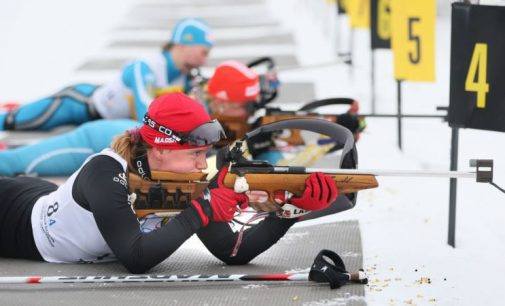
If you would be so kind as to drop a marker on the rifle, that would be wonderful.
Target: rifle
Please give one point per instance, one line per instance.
(236, 128)
(168, 193)
(294, 137)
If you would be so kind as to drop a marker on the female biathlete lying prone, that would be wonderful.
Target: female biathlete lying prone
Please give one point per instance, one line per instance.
(137, 82)
(89, 218)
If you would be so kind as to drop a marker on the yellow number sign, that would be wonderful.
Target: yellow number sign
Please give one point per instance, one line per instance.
(359, 13)
(384, 19)
(478, 68)
(413, 39)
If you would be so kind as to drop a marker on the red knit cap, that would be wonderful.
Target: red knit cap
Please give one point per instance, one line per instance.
(234, 82)
(177, 112)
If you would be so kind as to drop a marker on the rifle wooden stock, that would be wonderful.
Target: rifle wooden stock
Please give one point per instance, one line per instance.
(294, 137)
(167, 193)
(178, 177)
(295, 183)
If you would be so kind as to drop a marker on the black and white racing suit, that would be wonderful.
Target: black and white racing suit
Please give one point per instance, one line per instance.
(90, 219)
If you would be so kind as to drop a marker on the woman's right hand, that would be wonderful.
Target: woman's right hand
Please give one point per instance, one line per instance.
(219, 203)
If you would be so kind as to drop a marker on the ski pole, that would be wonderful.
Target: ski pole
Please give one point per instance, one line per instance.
(328, 267)
(356, 277)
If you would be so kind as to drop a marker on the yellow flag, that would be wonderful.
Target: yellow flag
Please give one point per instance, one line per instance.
(413, 39)
(359, 13)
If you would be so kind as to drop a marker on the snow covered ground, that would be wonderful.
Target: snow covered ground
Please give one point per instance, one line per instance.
(404, 221)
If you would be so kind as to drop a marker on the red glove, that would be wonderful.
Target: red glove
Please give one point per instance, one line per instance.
(218, 202)
(320, 192)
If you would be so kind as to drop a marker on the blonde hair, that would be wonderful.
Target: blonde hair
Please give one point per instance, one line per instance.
(129, 145)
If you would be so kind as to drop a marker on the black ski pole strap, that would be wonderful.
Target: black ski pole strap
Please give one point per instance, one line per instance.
(324, 271)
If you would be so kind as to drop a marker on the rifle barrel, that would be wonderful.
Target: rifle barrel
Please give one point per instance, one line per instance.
(483, 174)
(398, 173)
(418, 116)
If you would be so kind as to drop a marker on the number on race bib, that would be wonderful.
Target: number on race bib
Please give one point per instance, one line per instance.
(52, 209)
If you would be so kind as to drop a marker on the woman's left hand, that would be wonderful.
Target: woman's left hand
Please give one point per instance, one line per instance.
(320, 192)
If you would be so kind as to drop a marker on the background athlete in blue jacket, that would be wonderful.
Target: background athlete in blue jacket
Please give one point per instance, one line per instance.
(125, 100)
(128, 95)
